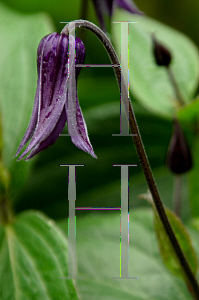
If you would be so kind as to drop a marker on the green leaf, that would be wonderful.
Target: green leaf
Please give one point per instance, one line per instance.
(148, 82)
(194, 179)
(194, 232)
(20, 35)
(4, 179)
(33, 255)
(167, 252)
(98, 259)
(190, 112)
(195, 223)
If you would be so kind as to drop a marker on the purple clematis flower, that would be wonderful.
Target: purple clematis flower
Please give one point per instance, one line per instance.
(104, 7)
(53, 104)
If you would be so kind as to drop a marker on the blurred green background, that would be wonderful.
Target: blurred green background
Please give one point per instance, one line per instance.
(98, 183)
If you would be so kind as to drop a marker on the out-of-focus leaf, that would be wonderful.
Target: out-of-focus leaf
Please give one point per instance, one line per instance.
(167, 252)
(4, 179)
(19, 38)
(189, 112)
(33, 255)
(195, 223)
(194, 180)
(98, 259)
(194, 232)
(148, 82)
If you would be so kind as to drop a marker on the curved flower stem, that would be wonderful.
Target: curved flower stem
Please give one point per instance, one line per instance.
(141, 151)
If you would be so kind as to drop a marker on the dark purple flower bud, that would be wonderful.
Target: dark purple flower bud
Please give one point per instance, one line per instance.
(52, 100)
(105, 7)
(162, 54)
(179, 158)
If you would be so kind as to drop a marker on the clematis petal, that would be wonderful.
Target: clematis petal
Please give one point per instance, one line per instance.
(106, 7)
(50, 140)
(130, 6)
(103, 7)
(31, 127)
(34, 117)
(82, 140)
(76, 123)
(53, 84)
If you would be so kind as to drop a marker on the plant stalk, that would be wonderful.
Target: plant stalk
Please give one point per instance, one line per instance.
(177, 194)
(175, 86)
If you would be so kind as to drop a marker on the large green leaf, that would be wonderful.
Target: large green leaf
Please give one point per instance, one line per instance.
(194, 232)
(184, 240)
(33, 255)
(148, 82)
(19, 38)
(98, 256)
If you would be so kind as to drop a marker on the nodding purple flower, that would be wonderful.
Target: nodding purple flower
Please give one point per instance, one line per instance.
(105, 7)
(52, 106)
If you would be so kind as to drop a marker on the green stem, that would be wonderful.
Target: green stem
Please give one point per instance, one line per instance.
(175, 86)
(177, 194)
(140, 149)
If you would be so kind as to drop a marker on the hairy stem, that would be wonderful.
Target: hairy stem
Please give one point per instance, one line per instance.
(140, 150)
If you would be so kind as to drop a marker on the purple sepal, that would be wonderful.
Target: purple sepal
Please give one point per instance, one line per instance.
(130, 6)
(106, 7)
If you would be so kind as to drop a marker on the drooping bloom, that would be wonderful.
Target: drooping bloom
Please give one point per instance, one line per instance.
(53, 104)
(105, 7)
(179, 159)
